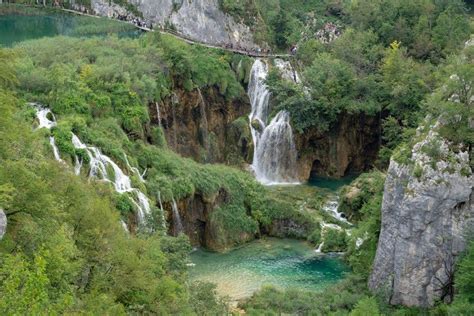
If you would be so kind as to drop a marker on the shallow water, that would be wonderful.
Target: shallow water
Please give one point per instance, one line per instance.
(16, 28)
(331, 184)
(283, 263)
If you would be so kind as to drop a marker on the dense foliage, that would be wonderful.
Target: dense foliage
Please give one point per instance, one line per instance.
(384, 65)
(65, 251)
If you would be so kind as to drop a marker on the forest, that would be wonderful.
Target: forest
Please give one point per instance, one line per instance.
(65, 250)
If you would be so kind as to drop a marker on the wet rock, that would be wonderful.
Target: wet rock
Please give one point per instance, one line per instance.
(351, 146)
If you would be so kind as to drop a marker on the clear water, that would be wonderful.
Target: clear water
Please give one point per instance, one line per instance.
(331, 184)
(16, 28)
(283, 263)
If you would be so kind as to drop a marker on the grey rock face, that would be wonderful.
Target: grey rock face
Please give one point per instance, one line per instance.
(3, 223)
(201, 20)
(427, 209)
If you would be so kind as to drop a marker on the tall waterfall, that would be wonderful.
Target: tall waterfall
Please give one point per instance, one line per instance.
(178, 225)
(274, 159)
(122, 183)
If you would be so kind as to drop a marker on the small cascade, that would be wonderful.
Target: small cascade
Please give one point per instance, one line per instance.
(52, 142)
(287, 71)
(3, 223)
(178, 225)
(331, 207)
(77, 166)
(47, 120)
(99, 166)
(135, 170)
(274, 159)
(158, 113)
(320, 247)
(124, 225)
(44, 114)
(204, 125)
(163, 219)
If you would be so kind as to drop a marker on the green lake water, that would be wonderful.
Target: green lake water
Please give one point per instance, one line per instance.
(331, 184)
(283, 263)
(16, 28)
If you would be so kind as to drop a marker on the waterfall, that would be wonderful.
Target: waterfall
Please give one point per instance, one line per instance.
(77, 166)
(135, 170)
(3, 223)
(158, 113)
(274, 159)
(52, 142)
(287, 71)
(204, 125)
(99, 166)
(43, 115)
(320, 248)
(331, 207)
(163, 219)
(178, 225)
(124, 226)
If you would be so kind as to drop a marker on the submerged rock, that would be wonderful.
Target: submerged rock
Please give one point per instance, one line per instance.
(427, 209)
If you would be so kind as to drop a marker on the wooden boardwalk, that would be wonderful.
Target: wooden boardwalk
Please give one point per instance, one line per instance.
(190, 40)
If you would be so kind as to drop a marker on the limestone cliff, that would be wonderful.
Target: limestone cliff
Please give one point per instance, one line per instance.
(200, 20)
(350, 146)
(205, 126)
(427, 209)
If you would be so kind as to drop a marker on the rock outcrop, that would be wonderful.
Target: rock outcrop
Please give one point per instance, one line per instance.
(427, 209)
(195, 214)
(209, 129)
(350, 146)
(200, 20)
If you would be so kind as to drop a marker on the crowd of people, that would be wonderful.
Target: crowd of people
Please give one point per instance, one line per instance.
(256, 51)
(135, 21)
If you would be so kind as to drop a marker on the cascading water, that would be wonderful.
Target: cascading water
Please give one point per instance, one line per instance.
(3, 223)
(99, 162)
(274, 159)
(163, 220)
(158, 113)
(135, 170)
(44, 114)
(47, 120)
(52, 142)
(98, 165)
(331, 206)
(178, 225)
